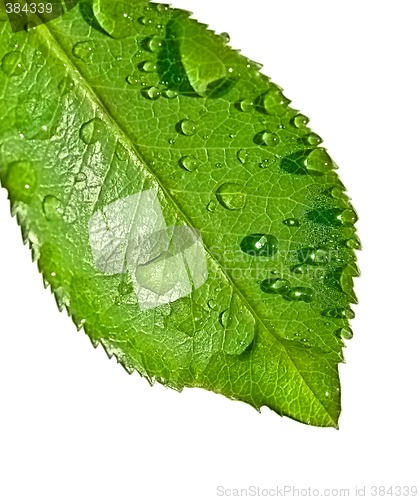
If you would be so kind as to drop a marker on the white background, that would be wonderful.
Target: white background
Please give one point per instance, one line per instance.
(74, 425)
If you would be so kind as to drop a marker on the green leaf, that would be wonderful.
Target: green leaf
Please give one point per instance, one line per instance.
(127, 125)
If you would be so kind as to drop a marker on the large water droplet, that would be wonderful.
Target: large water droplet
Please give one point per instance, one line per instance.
(245, 105)
(13, 64)
(348, 217)
(133, 80)
(92, 131)
(299, 121)
(20, 180)
(299, 293)
(353, 243)
(188, 163)
(275, 286)
(313, 256)
(66, 85)
(50, 261)
(242, 155)
(312, 139)
(346, 282)
(152, 43)
(169, 94)
(189, 71)
(186, 127)
(339, 313)
(272, 102)
(260, 245)
(309, 161)
(212, 304)
(291, 222)
(52, 207)
(211, 206)
(151, 93)
(319, 162)
(147, 66)
(225, 36)
(345, 333)
(266, 138)
(333, 216)
(231, 196)
(337, 192)
(84, 50)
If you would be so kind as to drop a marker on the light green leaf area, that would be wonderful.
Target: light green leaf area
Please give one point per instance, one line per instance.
(115, 98)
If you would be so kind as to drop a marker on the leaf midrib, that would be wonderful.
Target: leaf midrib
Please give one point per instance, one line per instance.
(72, 66)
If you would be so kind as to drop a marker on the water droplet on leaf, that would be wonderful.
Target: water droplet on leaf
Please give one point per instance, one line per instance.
(52, 207)
(151, 93)
(188, 163)
(312, 139)
(13, 64)
(354, 243)
(93, 131)
(260, 245)
(242, 155)
(133, 80)
(299, 293)
(125, 288)
(231, 196)
(20, 180)
(299, 121)
(147, 66)
(186, 127)
(266, 138)
(84, 50)
(264, 164)
(145, 21)
(272, 102)
(120, 152)
(169, 94)
(275, 286)
(245, 105)
(313, 256)
(291, 222)
(345, 333)
(333, 216)
(339, 313)
(319, 162)
(225, 36)
(239, 327)
(212, 304)
(152, 43)
(66, 85)
(298, 269)
(309, 161)
(211, 206)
